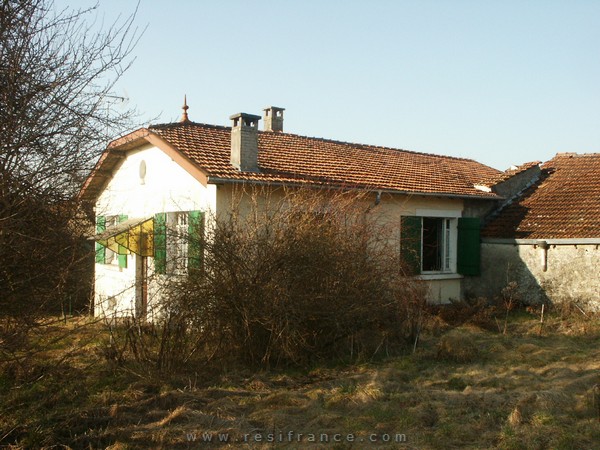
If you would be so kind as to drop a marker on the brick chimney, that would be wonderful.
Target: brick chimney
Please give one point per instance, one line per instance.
(244, 142)
(273, 118)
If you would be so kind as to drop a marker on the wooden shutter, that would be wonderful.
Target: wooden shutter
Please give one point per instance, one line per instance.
(195, 239)
(410, 242)
(100, 249)
(122, 251)
(469, 246)
(160, 243)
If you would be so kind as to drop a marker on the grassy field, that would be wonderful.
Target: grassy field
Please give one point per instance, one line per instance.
(464, 387)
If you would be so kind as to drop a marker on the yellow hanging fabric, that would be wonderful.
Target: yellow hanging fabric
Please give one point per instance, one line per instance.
(135, 235)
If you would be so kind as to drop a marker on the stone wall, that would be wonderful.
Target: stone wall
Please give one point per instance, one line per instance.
(572, 273)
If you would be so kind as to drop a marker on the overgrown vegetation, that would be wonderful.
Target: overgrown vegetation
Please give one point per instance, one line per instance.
(57, 71)
(288, 280)
(519, 390)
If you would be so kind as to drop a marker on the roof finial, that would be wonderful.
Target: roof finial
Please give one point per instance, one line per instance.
(185, 107)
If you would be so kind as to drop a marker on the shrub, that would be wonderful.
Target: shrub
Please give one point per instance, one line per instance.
(475, 311)
(304, 277)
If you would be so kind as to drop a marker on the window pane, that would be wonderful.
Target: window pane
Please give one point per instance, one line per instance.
(433, 245)
(177, 242)
(182, 242)
(447, 244)
(410, 243)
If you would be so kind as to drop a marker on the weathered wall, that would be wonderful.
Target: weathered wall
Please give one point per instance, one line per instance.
(515, 184)
(479, 208)
(573, 273)
(442, 288)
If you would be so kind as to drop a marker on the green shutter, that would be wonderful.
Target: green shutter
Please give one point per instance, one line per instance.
(410, 242)
(160, 243)
(122, 252)
(469, 247)
(195, 239)
(100, 249)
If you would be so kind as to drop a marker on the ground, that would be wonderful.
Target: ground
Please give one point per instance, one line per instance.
(463, 387)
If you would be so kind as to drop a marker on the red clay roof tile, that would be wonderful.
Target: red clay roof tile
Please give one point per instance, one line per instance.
(289, 158)
(564, 203)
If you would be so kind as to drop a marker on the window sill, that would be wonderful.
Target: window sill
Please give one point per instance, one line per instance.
(440, 276)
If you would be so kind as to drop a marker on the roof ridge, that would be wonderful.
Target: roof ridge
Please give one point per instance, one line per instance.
(168, 125)
(561, 158)
(575, 155)
(321, 139)
(381, 147)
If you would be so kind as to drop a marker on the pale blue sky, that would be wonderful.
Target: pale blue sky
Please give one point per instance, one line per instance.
(502, 82)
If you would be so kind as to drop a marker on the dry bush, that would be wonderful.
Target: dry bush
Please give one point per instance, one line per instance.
(575, 318)
(475, 311)
(290, 280)
(165, 345)
(457, 347)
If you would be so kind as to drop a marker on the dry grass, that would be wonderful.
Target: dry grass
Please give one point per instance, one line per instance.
(515, 391)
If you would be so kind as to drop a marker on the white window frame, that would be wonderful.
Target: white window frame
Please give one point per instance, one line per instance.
(177, 242)
(449, 245)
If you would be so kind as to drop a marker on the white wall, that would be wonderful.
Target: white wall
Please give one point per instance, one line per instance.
(166, 187)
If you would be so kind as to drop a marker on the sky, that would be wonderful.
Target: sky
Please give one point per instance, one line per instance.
(503, 83)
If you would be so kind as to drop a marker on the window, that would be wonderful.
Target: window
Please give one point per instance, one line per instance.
(178, 242)
(114, 254)
(435, 244)
(431, 244)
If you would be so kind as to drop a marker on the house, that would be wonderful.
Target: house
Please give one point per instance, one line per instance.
(547, 237)
(175, 176)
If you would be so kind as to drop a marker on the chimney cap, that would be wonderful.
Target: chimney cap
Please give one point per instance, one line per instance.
(273, 118)
(245, 116)
(274, 108)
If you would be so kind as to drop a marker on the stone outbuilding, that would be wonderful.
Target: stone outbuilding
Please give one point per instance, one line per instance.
(546, 237)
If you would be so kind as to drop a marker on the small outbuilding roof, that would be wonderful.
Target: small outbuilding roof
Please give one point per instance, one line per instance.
(564, 203)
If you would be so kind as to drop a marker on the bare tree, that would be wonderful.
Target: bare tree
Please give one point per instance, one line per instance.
(58, 70)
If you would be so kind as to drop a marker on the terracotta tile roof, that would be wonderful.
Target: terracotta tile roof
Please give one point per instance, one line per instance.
(509, 173)
(564, 203)
(290, 158)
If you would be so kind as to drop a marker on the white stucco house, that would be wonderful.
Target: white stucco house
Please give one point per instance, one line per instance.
(174, 176)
